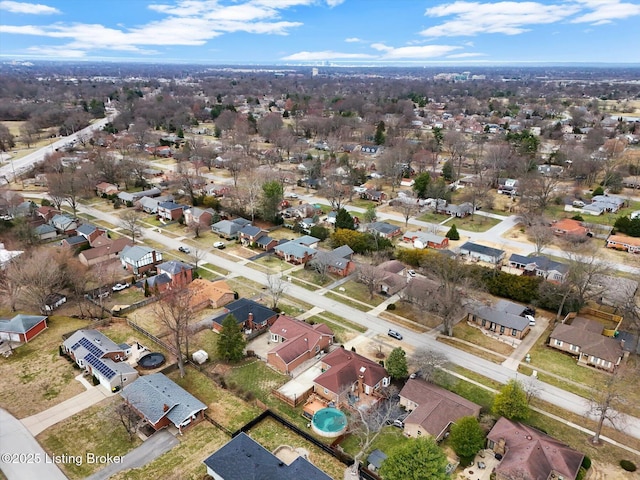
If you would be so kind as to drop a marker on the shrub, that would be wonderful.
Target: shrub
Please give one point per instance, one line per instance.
(97, 382)
(586, 463)
(391, 306)
(578, 218)
(598, 191)
(581, 474)
(628, 465)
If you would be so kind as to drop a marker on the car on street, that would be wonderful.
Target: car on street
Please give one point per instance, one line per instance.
(120, 286)
(219, 245)
(394, 334)
(292, 195)
(184, 249)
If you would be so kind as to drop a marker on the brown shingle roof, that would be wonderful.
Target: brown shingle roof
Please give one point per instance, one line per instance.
(533, 453)
(587, 334)
(300, 337)
(106, 248)
(202, 290)
(345, 366)
(437, 407)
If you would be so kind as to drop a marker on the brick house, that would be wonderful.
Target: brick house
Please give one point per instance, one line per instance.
(250, 315)
(170, 211)
(22, 328)
(503, 318)
(203, 294)
(425, 240)
(138, 259)
(296, 342)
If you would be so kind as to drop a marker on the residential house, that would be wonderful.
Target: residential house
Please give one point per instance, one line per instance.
(104, 249)
(203, 294)
(550, 170)
(377, 196)
(90, 232)
(148, 205)
(583, 338)
(104, 188)
(371, 149)
(505, 318)
(229, 229)
(432, 409)
(242, 458)
(350, 378)
(460, 211)
(139, 259)
(170, 211)
(101, 357)
(609, 203)
(45, 232)
(249, 314)
(22, 328)
(624, 242)
(482, 253)
(296, 342)
(294, 252)
(47, 213)
(266, 243)
(64, 224)
(199, 216)
(569, 227)
(338, 261)
(307, 241)
(171, 274)
(161, 402)
(529, 453)
(250, 234)
(540, 266)
(383, 229)
(425, 239)
(132, 197)
(76, 242)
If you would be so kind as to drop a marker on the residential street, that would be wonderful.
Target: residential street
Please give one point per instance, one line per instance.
(549, 393)
(21, 456)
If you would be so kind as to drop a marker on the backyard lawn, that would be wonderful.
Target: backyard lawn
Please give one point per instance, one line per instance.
(96, 430)
(255, 376)
(35, 377)
(272, 435)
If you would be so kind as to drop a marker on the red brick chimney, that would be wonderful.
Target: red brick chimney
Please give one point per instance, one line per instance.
(250, 321)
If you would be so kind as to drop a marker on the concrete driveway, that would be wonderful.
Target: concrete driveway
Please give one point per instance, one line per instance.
(21, 456)
(156, 445)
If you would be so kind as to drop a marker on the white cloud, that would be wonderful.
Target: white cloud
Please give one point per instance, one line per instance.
(418, 52)
(28, 8)
(326, 55)
(353, 40)
(467, 55)
(605, 11)
(510, 18)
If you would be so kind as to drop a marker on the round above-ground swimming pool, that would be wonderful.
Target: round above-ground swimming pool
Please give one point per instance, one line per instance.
(151, 360)
(329, 422)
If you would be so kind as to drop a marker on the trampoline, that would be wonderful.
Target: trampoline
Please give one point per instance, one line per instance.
(151, 360)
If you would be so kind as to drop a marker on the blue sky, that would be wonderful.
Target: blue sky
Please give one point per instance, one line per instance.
(397, 32)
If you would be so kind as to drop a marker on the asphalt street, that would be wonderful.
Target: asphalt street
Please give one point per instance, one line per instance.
(549, 393)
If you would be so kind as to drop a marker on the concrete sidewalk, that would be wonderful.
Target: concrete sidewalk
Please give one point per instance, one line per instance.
(519, 353)
(45, 419)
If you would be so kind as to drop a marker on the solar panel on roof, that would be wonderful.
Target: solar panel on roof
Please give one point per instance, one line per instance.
(99, 365)
(91, 347)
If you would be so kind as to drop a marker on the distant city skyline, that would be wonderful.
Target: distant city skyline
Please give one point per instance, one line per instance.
(323, 32)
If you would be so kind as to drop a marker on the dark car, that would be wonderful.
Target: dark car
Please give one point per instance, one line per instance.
(394, 334)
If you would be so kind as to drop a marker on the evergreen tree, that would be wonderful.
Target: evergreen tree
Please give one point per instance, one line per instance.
(147, 293)
(397, 363)
(421, 184)
(511, 402)
(453, 234)
(379, 137)
(231, 341)
(344, 220)
(448, 171)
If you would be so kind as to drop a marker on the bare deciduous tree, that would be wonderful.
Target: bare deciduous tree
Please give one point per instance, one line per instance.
(131, 224)
(128, 418)
(174, 311)
(276, 287)
(606, 398)
(428, 362)
(541, 236)
(370, 276)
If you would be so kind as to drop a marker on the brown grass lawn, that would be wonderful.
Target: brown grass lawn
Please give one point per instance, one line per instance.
(95, 430)
(358, 291)
(271, 435)
(466, 332)
(224, 407)
(416, 314)
(35, 377)
(310, 275)
(183, 462)
(471, 349)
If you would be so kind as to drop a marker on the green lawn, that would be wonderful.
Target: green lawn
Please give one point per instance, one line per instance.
(463, 331)
(357, 305)
(341, 334)
(338, 319)
(255, 376)
(475, 223)
(388, 439)
(558, 212)
(310, 275)
(359, 292)
(272, 263)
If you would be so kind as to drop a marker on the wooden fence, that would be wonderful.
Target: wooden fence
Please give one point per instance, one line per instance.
(163, 344)
(292, 402)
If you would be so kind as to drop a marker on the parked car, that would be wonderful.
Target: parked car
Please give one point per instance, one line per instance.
(578, 203)
(394, 334)
(292, 195)
(120, 286)
(532, 320)
(411, 273)
(219, 245)
(184, 249)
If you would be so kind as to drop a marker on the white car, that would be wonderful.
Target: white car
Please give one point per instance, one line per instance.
(119, 286)
(532, 320)
(219, 245)
(292, 195)
(411, 273)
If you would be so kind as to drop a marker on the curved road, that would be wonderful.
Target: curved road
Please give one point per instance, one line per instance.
(549, 393)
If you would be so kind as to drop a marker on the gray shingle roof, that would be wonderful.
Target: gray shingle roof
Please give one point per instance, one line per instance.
(294, 249)
(20, 323)
(174, 266)
(156, 396)
(135, 252)
(250, 230)
(500, 317)
(482, 249)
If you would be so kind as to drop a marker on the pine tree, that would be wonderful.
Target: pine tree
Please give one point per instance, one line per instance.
(231, 341)
(453, 234)
(344, 220)
(397, 363)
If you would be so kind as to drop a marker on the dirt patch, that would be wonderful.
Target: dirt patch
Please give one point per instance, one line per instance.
(608, 471)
